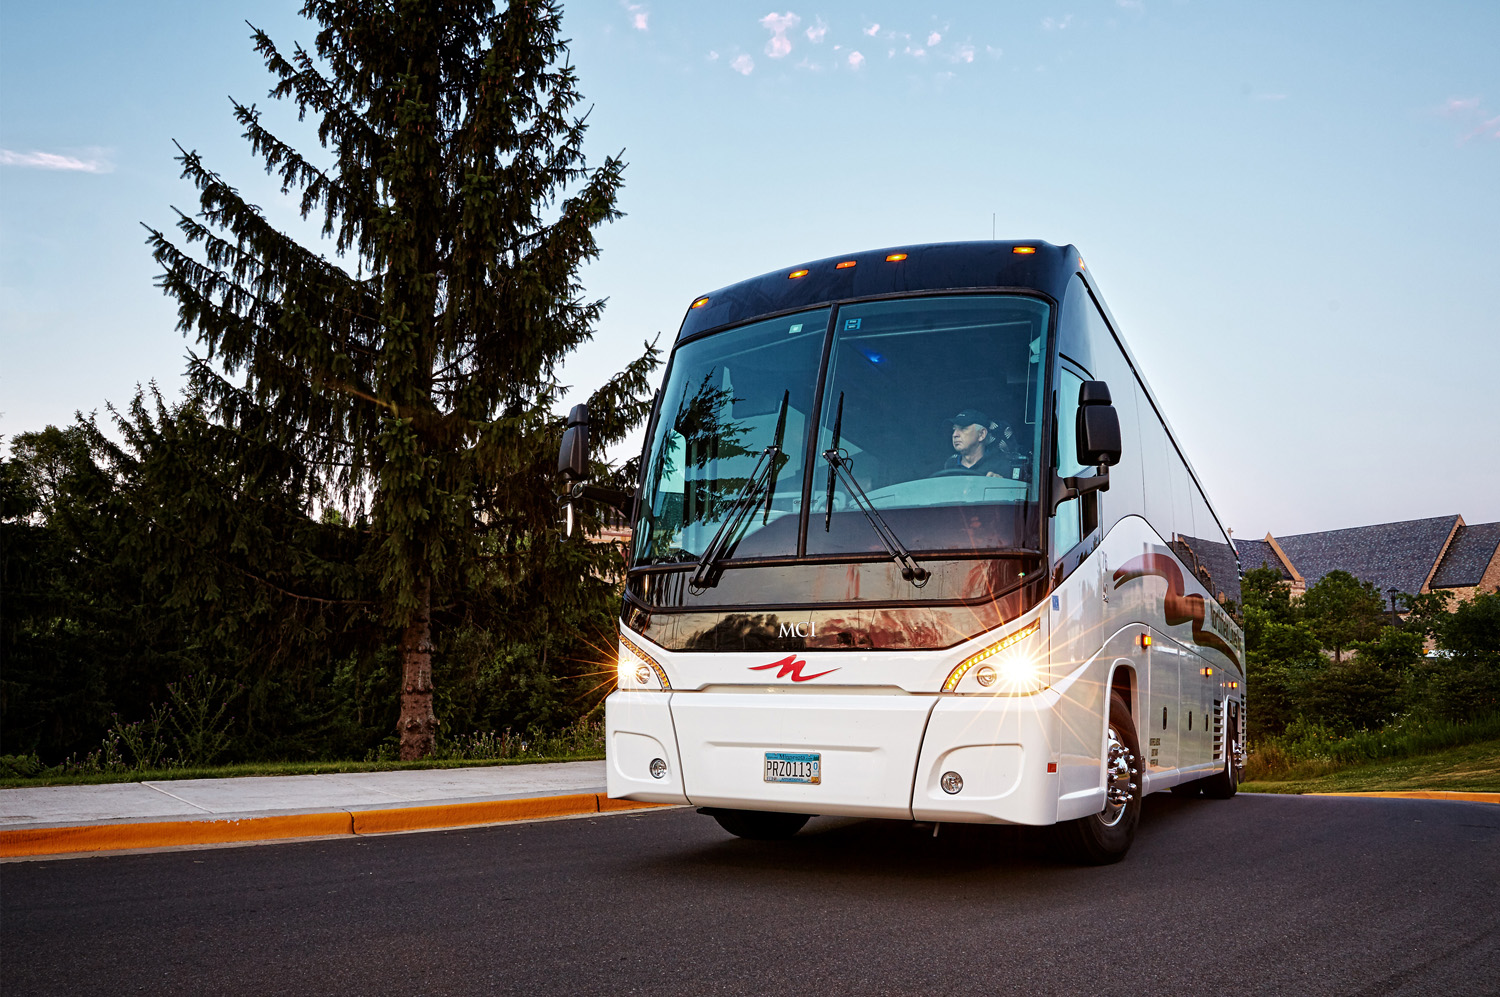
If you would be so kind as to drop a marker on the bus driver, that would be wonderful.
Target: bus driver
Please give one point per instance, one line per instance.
(975, 449)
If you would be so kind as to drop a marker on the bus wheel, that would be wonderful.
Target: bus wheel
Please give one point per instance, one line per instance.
(759, 825)
(1226, 783)
(1106, 836)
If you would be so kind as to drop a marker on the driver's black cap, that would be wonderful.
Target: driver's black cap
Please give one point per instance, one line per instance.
(970, 417)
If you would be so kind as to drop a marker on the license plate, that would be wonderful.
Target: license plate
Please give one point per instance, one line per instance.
(794, 766)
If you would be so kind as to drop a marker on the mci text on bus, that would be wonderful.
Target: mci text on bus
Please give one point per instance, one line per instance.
(913, 540)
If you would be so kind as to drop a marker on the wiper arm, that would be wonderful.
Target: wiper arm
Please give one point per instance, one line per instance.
(728, 535)
(838, 462)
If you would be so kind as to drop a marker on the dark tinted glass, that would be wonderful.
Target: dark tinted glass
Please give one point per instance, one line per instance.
(724, 400)
(1081, 320)
(937, 403)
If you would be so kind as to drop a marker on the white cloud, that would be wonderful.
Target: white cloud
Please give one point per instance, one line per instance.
(856, 60)
(873, 30)
(638, 15)
(1138, 6)
(53, 161)
(993, 51)
(933, 39)
(743, 64)
(1480, 122)
(964, 53)
(1056, 24)
(817, 31)
(713, 56)
(779, 24)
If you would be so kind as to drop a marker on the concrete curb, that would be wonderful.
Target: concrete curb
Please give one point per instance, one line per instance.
(1424, 794)
(20, 842)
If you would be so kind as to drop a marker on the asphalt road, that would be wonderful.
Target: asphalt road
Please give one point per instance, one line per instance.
(1259, 894)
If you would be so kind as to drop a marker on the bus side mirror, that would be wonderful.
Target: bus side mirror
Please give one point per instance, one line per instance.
(1098, 427)
(573, 463)
(573, 455)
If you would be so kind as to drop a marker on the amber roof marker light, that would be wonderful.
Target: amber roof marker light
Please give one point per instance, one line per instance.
(1023, 250)
(699, 303)
(895, 258)
(844, 265)
(795, 274)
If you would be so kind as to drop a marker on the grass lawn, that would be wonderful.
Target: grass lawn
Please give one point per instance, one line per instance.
(1471, 768)
(277, 768)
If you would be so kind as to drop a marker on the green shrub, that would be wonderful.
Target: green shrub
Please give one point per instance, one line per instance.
(1313, 748)
(1464, 681)
(1353, 695)
(20, 766)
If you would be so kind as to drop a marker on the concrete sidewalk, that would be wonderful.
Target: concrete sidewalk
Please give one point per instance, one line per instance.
(57, 819)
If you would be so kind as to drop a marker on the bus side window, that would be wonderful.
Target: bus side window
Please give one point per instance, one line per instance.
(1125, 496)
(1215, 553)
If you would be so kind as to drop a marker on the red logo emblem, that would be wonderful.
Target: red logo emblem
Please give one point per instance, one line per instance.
(792, 665)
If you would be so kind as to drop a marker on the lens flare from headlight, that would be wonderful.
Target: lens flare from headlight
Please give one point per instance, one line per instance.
(635, 669)
(1017, 669)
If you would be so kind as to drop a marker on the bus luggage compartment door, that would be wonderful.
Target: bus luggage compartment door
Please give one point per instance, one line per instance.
(866, 746)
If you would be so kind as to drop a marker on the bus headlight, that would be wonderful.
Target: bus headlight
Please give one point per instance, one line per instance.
(1010, 666)
(637, 670)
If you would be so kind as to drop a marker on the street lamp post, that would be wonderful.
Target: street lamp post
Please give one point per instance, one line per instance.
(1395, 617)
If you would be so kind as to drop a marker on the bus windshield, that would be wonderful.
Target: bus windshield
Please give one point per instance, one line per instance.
(933, 403)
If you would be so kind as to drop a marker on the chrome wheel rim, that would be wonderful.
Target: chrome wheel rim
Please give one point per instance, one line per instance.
(1119, 787)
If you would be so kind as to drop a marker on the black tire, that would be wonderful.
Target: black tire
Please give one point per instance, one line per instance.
(759, 825)
(1226, 783)
(1105, 837)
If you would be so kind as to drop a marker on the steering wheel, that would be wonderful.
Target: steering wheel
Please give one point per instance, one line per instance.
(951, 472)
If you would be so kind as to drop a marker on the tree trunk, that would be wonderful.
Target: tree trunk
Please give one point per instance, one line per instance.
(418, 724)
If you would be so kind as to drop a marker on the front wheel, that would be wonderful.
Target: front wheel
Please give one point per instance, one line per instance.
(759, 825)
(1106, 836)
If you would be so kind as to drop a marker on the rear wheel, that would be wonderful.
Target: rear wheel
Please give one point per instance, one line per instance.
(759, 825)
(1226, 783)
(1106, 836)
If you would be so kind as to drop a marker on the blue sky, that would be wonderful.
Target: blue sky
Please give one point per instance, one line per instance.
(1293, 208)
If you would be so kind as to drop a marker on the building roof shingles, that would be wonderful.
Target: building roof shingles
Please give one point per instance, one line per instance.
(1390, 555)
(1258, 553)
(1468, 556)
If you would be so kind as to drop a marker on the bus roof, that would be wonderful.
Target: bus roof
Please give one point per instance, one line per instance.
(1027, 264)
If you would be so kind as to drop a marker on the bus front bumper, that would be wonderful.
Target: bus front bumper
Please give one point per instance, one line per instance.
(881, 755)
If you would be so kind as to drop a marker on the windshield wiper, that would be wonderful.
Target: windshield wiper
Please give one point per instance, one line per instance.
(839, 464)
(730, 532)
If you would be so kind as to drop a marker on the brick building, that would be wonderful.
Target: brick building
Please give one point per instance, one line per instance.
(1414, 557)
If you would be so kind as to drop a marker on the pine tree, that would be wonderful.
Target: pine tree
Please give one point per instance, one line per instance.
(413, 372)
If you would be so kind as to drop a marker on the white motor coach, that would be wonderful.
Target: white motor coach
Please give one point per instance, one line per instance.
(912, 540)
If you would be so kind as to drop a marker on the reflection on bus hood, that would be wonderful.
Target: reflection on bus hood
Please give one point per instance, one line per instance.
(842, 607)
